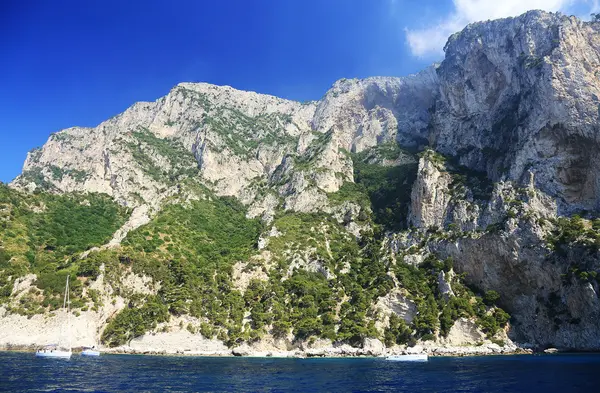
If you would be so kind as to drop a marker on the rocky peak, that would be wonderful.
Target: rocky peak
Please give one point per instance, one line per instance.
(376, 110)
(236, 139)
(521, 94)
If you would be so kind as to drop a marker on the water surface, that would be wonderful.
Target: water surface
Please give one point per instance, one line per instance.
(23, 372)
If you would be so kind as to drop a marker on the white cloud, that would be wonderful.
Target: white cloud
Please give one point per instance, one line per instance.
(429, 41)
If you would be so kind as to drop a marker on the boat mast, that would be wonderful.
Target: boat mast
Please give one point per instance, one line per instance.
(68, 313)
(67, 306)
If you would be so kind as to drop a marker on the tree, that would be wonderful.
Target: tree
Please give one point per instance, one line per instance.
(397, 331)
(427, 320)
(491, 297)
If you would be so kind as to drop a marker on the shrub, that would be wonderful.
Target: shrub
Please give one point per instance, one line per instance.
(491, 297)
(134, 322)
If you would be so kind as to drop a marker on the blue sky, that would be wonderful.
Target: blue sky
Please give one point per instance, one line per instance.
(76, 63)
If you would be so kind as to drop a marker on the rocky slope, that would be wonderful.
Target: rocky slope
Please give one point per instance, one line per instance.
(392, 211)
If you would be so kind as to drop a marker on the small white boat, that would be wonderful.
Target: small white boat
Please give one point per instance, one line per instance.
(90, 352)
(60, 350)
(54, 351)
(408, 358)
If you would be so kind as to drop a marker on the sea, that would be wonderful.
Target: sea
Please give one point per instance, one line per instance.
(23, 372)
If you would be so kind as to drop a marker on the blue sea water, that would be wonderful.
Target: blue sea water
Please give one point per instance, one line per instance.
(23, 372)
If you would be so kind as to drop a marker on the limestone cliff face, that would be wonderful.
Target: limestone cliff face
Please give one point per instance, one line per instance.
(513, 109)
(430, 196)
(140, 152)
(521, 94)
(240, 142)
(375, 110)
(502, 245)
(519, 101)
(547, 309)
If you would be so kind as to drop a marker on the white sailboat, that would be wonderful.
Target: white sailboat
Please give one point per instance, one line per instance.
(91, 351)
(60, 350)
(408, 358)
(87, 351)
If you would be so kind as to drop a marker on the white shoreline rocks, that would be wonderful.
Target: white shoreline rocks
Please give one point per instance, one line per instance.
(22, 333)
(342, 351)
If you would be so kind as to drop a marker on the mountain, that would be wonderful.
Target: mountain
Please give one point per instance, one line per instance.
(454, 207)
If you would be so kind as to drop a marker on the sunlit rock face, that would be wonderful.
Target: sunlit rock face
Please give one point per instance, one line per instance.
(521, 94)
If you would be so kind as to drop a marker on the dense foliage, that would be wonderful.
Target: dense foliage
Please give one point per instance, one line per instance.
(134, 321)
(577, 240)
(388, 187)
(69, 225)
(42, 233)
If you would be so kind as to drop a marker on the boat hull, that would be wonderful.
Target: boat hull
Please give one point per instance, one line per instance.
(89, 352)
(54, 354)
(408, 358)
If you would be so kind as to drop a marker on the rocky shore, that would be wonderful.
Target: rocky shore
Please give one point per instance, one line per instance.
(20, 333)
(372, 348)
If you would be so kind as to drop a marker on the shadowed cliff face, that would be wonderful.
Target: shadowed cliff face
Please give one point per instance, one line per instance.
(521, 94)
(511, 117)
(513, 243)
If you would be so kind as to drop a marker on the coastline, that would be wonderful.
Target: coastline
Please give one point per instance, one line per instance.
(325, 353)
(20, 333)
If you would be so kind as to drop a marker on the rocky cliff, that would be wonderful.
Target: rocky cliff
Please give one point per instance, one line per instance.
(415, 209)
(520, 95)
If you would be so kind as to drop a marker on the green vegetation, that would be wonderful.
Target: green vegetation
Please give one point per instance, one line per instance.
(307, 303)
(436, 158)
(320, 280)
(73, 224)
(397, 332)
(306, 161)
(61, 137)
(209, 232)
(190, 250)
(240, 133)
(43, 234)
(440, 312)
(311, 231)
(576, 241)
(388, 188)
(182, 162)
(37, 177)
(477, 182)
(463, 178)
(387, 151)
(35, 153)
(570, 231)
(353, 192)
(134, 321)
(312, 304)
(491, 297)
(58, 173)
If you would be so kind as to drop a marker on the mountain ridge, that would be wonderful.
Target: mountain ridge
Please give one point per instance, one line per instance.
(393, 211)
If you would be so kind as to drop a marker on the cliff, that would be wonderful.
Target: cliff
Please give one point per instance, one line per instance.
(452, 207)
